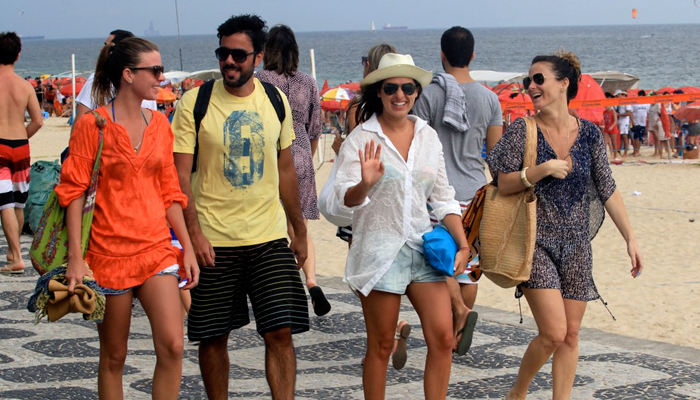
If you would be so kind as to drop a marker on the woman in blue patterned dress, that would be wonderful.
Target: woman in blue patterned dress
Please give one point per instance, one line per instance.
(573, 182)
(281, 61)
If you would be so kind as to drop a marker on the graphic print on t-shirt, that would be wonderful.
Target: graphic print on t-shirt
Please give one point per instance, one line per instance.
(244, 164)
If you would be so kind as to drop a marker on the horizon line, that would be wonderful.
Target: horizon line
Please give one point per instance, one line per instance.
(389, 30)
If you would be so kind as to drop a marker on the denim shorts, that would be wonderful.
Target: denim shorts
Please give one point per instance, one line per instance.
(171, 270)
(408, 267)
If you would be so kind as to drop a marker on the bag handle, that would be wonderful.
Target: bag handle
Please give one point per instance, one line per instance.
(101, 123)
(530, 157)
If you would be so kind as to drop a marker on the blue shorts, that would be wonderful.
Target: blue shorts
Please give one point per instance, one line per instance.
(638, 132)
(408, 267)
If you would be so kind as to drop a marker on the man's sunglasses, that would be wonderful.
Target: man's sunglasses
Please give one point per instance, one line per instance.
(238, 55)
(537, 78)
(156, 70)
(391, 88)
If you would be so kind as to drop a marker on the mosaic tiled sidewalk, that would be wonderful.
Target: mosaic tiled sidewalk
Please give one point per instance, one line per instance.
(59, 360)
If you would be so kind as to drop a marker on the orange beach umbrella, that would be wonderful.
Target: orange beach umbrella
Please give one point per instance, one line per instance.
(336, 99)
(67, 90)
(165, 95)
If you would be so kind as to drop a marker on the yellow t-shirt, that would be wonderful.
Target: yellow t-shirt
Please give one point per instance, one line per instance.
(236, 185)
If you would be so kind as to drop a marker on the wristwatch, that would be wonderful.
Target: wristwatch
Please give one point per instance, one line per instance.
(523, 177)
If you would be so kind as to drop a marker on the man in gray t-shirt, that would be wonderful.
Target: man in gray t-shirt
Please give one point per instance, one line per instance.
(462, 150)
(465, 115)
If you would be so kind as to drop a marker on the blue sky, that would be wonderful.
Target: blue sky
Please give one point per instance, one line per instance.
(79, 18)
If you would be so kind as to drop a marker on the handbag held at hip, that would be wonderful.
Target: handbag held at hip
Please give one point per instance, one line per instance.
(509, 226)
(50, 244)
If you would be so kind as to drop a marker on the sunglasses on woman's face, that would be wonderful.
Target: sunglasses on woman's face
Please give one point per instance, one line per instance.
(365, 60)
(238, 55)
(538, 78)
(391, 88)
(156, 70)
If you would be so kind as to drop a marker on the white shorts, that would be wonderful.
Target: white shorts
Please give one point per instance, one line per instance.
(624, 129)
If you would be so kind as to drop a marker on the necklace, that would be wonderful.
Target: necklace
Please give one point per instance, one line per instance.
(549, 138)
(138, 146)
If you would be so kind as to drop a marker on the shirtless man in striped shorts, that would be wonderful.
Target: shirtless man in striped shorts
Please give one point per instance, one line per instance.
(16, 97)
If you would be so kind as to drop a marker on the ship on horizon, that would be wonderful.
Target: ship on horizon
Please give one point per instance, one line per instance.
(389, 26)
(150, 32)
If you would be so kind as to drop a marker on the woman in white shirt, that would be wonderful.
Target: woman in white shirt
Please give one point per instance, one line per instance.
(388, 186)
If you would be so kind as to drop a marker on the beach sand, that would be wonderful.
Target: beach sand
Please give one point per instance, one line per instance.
(662, 304)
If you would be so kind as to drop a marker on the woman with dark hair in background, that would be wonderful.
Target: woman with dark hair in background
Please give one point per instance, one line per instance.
(572, 182)
(281, 63)
(130, 252)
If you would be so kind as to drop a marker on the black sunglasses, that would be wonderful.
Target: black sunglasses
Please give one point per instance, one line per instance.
(364, 61)
(238, 55)
(156, 70)
(391, 88)
(537, 78)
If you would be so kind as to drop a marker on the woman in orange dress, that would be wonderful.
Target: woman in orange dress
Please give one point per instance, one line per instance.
(138, 194)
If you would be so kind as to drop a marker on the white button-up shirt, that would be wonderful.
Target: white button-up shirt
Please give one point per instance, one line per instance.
(395, 210)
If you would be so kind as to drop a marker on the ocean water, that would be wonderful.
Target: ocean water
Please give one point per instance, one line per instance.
(661, 55)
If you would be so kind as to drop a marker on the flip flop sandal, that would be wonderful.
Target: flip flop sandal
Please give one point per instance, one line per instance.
(398, 358)
(319, 301)
(465, 342)
(8, 271)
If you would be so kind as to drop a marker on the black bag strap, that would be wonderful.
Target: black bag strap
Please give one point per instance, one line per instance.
(274, 95)
(200, 110)
(202, 103)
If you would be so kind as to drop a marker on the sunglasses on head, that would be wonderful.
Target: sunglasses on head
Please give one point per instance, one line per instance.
(156, 70)
(238, 55)
(537, 78)
(391, 88)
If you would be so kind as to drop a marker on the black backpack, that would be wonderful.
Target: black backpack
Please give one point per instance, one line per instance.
(202, 103)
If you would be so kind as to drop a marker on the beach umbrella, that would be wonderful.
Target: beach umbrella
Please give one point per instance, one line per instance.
(67, 90)
(336, 99)
(165, 95)
(325, 86)
(508, 87)
(32, 82)
(691, 112)
(635, 92)
(689, 89)
(589, 89)
(205, 75)
(352, 86)
(665, 89)
(510, 93)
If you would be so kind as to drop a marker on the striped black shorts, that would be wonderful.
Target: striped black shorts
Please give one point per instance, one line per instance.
(267, 274)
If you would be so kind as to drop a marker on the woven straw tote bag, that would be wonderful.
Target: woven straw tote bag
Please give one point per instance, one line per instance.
(509, 226)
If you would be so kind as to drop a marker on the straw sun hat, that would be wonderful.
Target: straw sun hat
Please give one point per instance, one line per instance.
(394, 65)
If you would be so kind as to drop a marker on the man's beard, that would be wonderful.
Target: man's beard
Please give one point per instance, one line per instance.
(244, 77)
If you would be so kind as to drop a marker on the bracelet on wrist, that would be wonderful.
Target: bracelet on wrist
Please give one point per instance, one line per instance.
(523, 178)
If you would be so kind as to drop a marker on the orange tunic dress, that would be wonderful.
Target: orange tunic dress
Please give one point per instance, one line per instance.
(129, 238)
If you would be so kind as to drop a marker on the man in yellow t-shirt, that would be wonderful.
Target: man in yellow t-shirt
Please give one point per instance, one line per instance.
(238, 227)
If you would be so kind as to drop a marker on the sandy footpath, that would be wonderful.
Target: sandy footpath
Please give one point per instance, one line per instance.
(663, 304)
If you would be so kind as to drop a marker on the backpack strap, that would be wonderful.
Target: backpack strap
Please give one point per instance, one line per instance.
(275, 99)
(200, 110)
